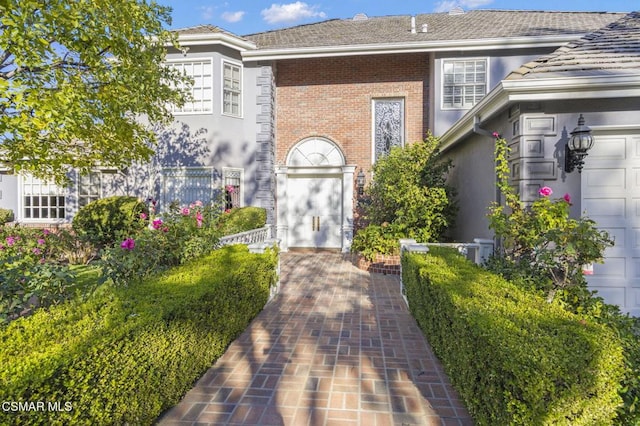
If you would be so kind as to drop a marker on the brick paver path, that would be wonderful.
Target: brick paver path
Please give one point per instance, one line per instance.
(337, 346)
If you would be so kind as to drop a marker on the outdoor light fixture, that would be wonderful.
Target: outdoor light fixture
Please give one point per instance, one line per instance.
(360, 182)
(576, 149)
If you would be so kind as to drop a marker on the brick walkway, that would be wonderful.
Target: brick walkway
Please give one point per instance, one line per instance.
(337, 346)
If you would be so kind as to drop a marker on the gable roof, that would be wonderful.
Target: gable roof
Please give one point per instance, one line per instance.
(211, 34)
(474, 24)
(614, 48)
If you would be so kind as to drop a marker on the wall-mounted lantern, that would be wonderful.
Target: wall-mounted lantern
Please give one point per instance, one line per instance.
(576, 149)
(360, 182)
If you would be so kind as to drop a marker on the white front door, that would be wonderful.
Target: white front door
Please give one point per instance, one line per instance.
(315, 211)
(611, 197)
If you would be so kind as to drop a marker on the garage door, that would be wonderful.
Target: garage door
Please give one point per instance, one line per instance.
(611, 197)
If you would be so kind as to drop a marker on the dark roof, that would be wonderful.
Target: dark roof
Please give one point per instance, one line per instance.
(199, 29)
(614, 48)
(472, 25)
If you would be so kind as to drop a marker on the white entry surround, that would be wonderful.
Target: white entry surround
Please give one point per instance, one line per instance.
(315, 197)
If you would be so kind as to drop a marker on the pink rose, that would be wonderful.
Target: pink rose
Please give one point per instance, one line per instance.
(157, 224)
(567, 198)
(186, 211)
(545, 191)
(128, 244)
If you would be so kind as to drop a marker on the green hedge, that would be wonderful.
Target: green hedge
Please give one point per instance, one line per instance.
(127, 354)
(514, 358)
(242, 219)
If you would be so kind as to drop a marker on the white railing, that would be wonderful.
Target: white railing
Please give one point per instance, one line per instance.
(248, 237)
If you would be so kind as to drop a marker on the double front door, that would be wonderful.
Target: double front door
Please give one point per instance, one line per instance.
(315, 211)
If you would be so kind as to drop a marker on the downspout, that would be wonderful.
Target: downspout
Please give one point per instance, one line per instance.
(484, 132)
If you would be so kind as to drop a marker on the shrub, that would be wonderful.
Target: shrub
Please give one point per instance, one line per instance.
(408, 196)
(128, 353)
(6, 215)
(513, 357)
(28, 277)
(104, 221)
(376, 239)
(183, 234)
(242, 219)
(543, 236)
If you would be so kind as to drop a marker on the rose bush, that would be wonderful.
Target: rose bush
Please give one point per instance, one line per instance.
(542, 238)
(182, 234)
(30, 276)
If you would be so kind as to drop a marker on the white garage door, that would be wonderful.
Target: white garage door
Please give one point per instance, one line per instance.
(611, 197)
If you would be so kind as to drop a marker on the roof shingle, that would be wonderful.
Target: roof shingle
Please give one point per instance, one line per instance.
(615, 47)
(472, 25)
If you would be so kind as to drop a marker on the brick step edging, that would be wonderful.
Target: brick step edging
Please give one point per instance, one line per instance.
(382, 264)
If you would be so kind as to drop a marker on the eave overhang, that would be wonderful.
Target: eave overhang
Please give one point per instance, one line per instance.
(215, 38)
(540, 89)
(407, 47)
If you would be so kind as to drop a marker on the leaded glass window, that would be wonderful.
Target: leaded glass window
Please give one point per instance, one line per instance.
(388, 125)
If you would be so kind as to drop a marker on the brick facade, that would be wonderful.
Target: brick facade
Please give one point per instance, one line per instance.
(332, 98)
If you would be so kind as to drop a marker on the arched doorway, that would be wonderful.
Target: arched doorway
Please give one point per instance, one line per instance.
(315, 197)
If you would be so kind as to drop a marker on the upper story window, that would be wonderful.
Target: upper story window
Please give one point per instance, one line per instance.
(388, 125)
(231, 89)
(201, 71)
(464, 82)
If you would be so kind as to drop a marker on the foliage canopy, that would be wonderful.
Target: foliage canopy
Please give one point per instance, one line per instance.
(76, 77)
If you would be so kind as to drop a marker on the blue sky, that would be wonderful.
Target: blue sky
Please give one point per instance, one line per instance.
(250, 16)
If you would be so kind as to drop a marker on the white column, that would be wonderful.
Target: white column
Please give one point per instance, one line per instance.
(347, 207)
(282, 224)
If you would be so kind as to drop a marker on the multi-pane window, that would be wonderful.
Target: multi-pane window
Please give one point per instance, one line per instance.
(464, 82)
(388, 125)
(201, 72)
(232, 179)
(231, 89)
(42, 200)
(89, 188)
(186, 185)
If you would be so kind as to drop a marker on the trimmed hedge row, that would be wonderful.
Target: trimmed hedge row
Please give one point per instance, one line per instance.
(514, 358)
(127, 354)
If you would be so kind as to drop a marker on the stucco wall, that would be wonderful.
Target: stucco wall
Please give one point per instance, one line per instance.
(499, 68)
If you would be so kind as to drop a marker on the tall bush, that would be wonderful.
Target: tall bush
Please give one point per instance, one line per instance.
(408, 195)
(104, 221)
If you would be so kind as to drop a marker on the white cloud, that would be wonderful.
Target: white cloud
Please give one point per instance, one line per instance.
(233, 16)
(447, 5)
(291, 12)
(207, 12)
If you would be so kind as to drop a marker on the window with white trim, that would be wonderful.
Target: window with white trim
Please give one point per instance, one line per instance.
(231, 89)
(42, 200)
(232, 179)
(388, 125)
(186, 185)
(89, 188)
(464, 82)
(201, 72)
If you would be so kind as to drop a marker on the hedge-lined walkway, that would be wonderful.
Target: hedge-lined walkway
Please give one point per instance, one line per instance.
(336, 347)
